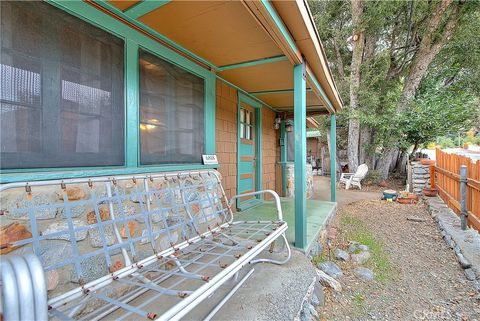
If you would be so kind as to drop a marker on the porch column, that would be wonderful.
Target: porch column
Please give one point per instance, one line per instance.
(300, 129)
(333, 157)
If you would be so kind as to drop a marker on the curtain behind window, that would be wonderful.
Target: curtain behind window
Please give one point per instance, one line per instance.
(172, 121)
(61, 97)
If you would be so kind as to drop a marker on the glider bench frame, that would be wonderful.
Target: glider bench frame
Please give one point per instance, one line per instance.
(148, 246)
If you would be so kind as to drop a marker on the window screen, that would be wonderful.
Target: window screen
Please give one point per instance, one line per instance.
(61, 97)
(171, 113)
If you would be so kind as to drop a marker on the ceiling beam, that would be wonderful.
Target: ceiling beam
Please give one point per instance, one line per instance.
(144, 7)
(251, 63)
(279, 91)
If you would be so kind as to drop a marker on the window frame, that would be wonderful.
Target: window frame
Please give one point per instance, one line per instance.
(133, 41)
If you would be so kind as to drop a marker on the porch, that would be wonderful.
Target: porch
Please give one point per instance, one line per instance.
(318, 214)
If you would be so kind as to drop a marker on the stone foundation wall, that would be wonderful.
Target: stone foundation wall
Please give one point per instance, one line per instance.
(419, 177)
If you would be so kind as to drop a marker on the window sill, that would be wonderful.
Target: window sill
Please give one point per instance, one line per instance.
(90, 172)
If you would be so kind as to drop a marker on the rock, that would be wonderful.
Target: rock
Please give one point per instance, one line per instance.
(73, 194)
(464, 263)
(361, 257)
(313, 311)
(117, 265)
(54, 252)
(327, 280)
(318, 294)
(95, 236)
(92, 268)
(353, 247)
(12, 233)
(63, 227)
(75, 211)
(51, 278)
(363, 248)
(16, 208)
(364, 273)
(132, 225)
(470, 274)
(316, 249)
(314, 300)
(104, 215)
(331, 269)
(341, 255)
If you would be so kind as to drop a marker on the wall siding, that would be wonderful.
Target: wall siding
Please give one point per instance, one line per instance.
(226, 136)
(226, 141)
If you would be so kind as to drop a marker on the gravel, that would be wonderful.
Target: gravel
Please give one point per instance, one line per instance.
(426, 281)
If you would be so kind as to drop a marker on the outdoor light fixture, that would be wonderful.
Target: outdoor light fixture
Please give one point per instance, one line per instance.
(277, 122)
(289, 125)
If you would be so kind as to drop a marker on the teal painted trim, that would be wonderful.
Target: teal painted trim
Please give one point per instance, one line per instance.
(132, 102)
(252, 63)
(280, 25)
(142, 26)
(333, 153)
(258, 151)
(144, 7)
(65, 173)
(320, 89)
(258, 142)
(269, 92)
(210, 110)
(283, 156)
(247, 94)
(300, 130)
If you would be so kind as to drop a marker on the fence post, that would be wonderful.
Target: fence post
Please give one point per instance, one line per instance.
(432, 176)
(463, 196)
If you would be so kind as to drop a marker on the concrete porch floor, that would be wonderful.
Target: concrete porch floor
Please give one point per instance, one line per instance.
(318, 215)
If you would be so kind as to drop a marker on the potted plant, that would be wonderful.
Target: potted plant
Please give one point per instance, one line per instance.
(407, 198)
(430, 192)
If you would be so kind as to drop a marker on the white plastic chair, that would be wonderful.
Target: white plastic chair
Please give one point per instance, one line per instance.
(354, 179)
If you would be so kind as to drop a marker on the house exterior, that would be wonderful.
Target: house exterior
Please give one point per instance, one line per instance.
(94, 88)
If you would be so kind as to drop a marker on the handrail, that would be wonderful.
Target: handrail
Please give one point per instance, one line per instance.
(269, 191)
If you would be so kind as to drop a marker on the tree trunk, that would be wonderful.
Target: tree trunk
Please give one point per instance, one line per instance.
(428, 50)
(385, 161)
(358, 44)
(365, 141)
(402, 163)
(335, 159)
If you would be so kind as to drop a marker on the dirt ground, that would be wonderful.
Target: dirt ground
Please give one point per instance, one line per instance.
(417, 274)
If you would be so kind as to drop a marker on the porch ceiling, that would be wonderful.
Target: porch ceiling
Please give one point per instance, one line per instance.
(228, 35)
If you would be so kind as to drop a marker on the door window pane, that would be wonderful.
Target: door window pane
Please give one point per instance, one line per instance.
(171, 113)
(61, 101)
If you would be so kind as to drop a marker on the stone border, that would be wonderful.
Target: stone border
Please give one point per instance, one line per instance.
(466, 244)
(314, 298)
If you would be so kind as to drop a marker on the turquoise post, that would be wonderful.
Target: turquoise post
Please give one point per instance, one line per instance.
(132, 94)
(333, 157)
(300, 130)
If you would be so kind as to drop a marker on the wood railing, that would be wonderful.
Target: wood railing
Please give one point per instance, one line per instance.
(447, 181)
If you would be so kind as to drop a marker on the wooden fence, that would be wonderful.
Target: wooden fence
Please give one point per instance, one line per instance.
(447, 182)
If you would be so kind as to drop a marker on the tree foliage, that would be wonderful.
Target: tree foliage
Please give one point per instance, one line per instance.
(420, 75)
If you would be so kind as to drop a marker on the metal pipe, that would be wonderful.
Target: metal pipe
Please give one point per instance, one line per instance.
(275, 261)
(463, 196)
(115, 228)
(269, 191)
(186, 305)
(10, 304)
(24, 286)
(228, 296)
(39, 286)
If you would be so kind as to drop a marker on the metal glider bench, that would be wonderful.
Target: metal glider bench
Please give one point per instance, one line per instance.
(136, 247)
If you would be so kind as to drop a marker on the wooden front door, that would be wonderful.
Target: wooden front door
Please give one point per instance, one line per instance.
(247, 156)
